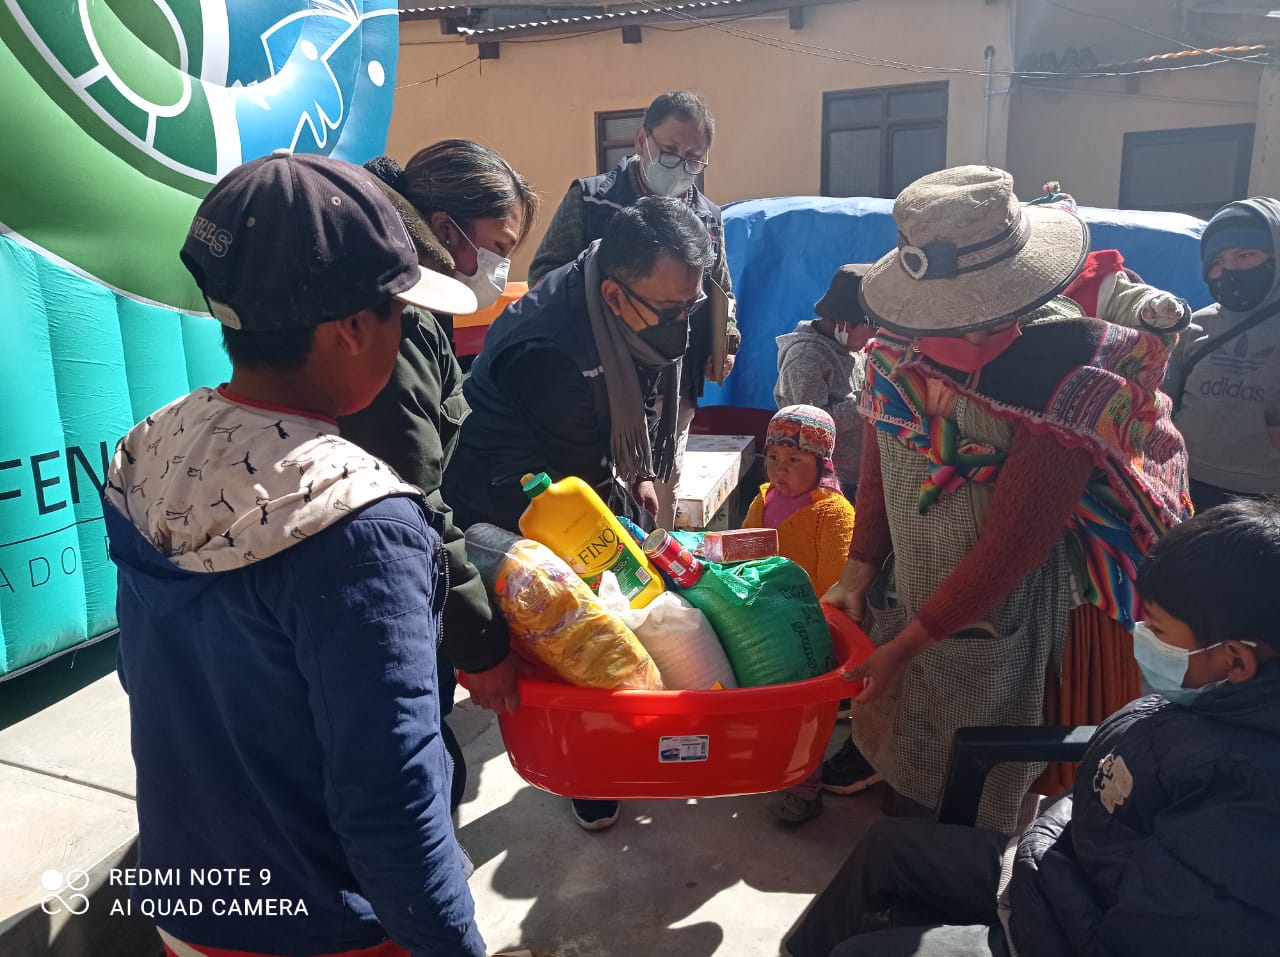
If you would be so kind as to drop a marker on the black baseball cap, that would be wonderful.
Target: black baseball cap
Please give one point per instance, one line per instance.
(295, 240)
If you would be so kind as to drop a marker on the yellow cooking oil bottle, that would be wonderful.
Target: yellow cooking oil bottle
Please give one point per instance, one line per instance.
(570, 519)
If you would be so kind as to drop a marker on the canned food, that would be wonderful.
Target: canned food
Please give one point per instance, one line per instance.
(672, 557)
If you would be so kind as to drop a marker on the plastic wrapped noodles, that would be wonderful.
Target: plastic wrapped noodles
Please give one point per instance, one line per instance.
(555, 619)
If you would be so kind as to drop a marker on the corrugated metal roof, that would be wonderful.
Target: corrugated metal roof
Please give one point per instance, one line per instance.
(609, 17)
(517, 4)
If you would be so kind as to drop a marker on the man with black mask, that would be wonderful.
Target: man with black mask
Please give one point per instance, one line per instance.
(569, 374)
(1224, 375)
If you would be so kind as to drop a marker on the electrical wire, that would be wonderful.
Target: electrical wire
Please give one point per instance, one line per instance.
(648, 26)
(1084, 91)
(439, 76)
(565, 36)
(724, 25)
(827, 53)
(698, 26)
(1151, 33)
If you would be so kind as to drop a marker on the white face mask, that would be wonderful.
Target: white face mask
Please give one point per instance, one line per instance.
(490, 278)
(662, 181)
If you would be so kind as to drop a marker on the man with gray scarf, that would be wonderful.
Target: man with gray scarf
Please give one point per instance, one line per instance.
(569, 375)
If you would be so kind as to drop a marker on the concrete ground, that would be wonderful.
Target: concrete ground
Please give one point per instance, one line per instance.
(684, 879)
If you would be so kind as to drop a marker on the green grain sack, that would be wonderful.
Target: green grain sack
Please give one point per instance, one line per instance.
(767, 616)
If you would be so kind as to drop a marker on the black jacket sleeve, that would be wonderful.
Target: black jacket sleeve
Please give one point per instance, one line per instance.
(474, 637)
(412, 425)
(1048, 895)
(1169, 843)
(556, 403)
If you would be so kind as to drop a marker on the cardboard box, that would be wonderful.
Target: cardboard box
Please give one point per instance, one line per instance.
(740, 545)
(713, 467)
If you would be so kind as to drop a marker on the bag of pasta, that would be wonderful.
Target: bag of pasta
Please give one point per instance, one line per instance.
(555, 619)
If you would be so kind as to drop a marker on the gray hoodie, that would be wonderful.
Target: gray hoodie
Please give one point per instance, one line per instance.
(814, 369)
(1232, 395)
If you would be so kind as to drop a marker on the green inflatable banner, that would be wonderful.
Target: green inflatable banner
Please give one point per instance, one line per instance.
(122, 115)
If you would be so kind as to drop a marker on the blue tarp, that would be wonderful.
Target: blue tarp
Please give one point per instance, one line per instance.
(783, 252)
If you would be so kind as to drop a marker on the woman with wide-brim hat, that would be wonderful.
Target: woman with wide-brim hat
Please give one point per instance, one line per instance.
(1019, 461)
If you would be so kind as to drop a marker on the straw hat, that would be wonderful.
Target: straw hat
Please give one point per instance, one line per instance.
(970, 255)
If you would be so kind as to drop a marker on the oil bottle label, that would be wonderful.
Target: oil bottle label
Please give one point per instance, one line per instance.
(606, 553)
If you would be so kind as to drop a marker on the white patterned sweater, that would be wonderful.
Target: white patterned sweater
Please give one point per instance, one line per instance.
(216, 484)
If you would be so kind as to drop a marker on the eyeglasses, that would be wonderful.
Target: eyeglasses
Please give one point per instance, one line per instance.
(670, 161)
(670, 314)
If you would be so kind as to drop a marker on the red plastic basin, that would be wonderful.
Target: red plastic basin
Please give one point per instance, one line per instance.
(594, 743)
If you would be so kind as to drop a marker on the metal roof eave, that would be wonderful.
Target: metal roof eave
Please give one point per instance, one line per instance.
(637, 16)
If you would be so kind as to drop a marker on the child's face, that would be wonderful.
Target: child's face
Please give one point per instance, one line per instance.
(856, 335)
(791, 471)
(356, 356)
(1205, 665)
(1174, 631)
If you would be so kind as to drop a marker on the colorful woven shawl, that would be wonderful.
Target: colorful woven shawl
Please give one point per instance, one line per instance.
(1092, 385)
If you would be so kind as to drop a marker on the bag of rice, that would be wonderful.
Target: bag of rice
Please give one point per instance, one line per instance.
(677, 635)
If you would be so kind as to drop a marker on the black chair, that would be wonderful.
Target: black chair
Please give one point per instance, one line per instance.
(975, 751)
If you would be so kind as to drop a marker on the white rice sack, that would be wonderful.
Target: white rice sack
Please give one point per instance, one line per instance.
(677, 636)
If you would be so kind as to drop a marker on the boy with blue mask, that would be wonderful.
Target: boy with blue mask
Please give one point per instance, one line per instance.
(1190, 645)
(1166, 845)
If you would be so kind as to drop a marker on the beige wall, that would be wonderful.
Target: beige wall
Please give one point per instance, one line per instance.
(1265, 174)
(536, 104)
(1077, 135)
(1044, 28)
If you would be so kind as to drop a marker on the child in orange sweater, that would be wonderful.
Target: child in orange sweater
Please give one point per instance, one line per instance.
(802, 498)
(803, 501)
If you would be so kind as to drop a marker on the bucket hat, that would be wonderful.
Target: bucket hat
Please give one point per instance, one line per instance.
(970, 255)
(841, 304)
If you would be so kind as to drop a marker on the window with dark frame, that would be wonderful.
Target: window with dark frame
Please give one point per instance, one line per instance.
(877, 141)
(1195, 171)
(616, 137)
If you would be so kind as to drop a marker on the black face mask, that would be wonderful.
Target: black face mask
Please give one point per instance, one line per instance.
(1243, 290)
(669, 339)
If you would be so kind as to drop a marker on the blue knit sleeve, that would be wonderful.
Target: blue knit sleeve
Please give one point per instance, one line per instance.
(366, 646)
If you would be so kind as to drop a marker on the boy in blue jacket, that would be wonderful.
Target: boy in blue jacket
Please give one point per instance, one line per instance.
(280, 594)
(1169, 841)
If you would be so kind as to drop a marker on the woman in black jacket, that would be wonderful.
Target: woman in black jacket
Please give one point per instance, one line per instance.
(466, 210)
